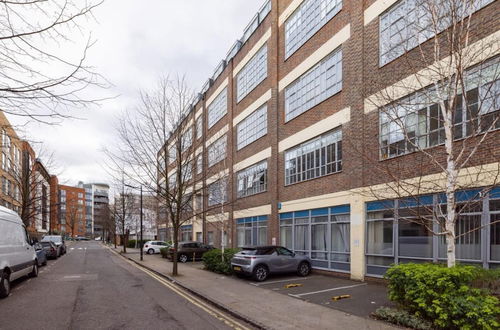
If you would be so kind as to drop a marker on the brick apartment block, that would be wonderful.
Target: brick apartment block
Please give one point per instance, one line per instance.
(26, 187)
(313, 66)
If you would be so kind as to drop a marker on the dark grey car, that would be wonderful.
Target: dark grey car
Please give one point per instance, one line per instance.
(260, 261)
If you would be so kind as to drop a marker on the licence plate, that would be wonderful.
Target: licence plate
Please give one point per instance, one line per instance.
(237, 268)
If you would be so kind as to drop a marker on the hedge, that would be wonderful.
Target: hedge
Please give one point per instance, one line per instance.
(213, 260)
(445, 296)
(131, 243)
(164, 252)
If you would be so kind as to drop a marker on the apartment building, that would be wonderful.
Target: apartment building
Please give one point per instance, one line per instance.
(71, 211)
(290, 124)
(96, 201)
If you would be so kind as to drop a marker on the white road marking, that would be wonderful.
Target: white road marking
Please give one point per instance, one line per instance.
(272, 282)
(79, 248)
(72, 248)
(327, 290)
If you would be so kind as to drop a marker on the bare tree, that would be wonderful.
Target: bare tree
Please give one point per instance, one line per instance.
(445, 112)
(156, 151)
(74, 215)
(37, 79)
(122, 214)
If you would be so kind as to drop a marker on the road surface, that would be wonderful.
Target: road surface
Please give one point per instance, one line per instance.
(93, 288)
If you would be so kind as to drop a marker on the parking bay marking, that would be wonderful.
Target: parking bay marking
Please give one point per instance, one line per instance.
(281, 281)
(299, 295)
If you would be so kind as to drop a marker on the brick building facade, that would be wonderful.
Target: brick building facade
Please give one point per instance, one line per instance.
(71, 211)
(289, 118)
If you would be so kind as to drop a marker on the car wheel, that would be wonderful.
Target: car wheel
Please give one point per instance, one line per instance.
(183, 258)
(304, 269)
(5, 285)
(260, 273)
(151, 251)
(34, 271)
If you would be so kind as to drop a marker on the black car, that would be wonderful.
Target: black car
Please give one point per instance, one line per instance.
(189, 251)
(51, 250)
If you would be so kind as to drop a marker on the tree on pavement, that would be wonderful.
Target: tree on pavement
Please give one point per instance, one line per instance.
(151, 154)
(445, 113)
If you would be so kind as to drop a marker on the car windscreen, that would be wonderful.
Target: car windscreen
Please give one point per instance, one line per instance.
(53, 238)
(257, 251)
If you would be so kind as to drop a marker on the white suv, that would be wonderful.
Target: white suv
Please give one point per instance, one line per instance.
(152, 247)
(17, 254)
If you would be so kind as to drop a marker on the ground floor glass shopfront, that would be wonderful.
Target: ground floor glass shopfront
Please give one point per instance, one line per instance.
(401, 230)
(252, 231)
(322, 234)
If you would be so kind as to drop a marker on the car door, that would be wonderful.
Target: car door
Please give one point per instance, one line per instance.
(274, 261)
(287, 262)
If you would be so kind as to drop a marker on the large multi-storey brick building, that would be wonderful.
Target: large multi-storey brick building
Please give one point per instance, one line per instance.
(289, 118)
(71, 211)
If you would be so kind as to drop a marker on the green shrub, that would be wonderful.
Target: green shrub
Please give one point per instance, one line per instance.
(488, 279)
(131, 243)
(402, 317)
(444, 295)
(164, 252)
(213, 261)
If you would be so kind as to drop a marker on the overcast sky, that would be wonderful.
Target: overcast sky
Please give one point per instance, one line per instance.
(135, 44)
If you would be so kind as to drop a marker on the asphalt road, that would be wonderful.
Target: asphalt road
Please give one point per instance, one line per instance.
(93, 288)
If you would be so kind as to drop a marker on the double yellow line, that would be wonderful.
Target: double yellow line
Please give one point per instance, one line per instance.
(193, 300)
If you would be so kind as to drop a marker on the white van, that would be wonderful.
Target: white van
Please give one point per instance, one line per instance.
(17, 255)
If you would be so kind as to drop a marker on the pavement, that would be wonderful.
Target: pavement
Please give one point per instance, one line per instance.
(262, 306)
(92, 287)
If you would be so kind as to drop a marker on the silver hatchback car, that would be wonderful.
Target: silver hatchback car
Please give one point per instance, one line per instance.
(260, 261)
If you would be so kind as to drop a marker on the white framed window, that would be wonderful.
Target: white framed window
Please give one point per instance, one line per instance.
(308, 19)
(199, 127)
(252, 180)
(409, 23)
(315, 158)
(218, 108)
(217, 151)
(316, 85)
(252, 127)
(252, 74)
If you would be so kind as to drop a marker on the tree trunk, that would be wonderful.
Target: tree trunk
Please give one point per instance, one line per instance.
(174, 257)
(451, 184)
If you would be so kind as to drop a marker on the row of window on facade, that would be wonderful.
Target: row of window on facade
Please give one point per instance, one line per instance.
(10, 189)
(416, 122)
(403, 230)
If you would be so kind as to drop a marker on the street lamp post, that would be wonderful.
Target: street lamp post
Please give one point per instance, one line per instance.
(140, 242)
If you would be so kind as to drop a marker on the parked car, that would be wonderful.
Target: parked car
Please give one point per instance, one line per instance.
(41, 256)
(260, 261)
(152, 247)
(189, 250)
(58, 240)
(17, 253)
(51, 250)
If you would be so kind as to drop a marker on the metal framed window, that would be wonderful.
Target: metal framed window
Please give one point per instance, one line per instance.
(417, 121)
(252, 127)
(308, 19)
(252, 74)
(187, 139)
(395, 230)
(199, 163)
(408, 24)
(316, 85)
(252, 180)
(315, 158)
(217, 192)
(172, 154)
(218, 108)
(321, 234)
(199, 127)
(251, 231)
(217, 151)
